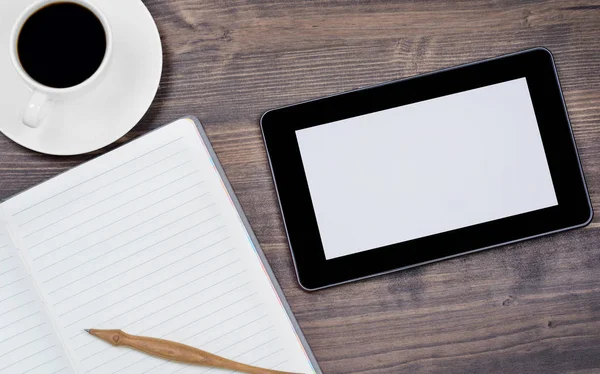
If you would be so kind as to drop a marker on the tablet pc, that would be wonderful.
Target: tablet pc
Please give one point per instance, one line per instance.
(425, 168)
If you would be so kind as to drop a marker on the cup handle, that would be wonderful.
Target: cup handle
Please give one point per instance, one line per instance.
(37, 109)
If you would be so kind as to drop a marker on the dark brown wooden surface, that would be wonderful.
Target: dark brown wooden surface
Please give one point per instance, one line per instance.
(531, 307)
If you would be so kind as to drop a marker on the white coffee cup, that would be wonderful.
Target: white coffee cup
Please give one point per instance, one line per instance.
(42, 98)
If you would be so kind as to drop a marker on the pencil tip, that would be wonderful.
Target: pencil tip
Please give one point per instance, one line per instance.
(86, 330)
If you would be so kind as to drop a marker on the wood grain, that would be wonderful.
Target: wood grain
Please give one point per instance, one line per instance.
(525, 308)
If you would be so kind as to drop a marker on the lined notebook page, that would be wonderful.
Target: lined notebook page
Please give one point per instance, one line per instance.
(28, 342)
(145, 239)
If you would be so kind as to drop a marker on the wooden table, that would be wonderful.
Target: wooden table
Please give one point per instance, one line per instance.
(530, 307)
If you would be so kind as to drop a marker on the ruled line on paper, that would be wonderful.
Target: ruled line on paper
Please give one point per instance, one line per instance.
(221, 350)
(279, 364)
(170, 297)
(21, 332)
(244, 339)
(162, 336)
(131, 241)
(158, 297)
(238, 328)
(229, 346)
(11, 296)
(258, 346)
(195, 307)
(25, 358)
(215, 325)
(26, 344)
(141, 250)
(19, 320)
(108, 198)
(204, 303)
(59, 370)
(235, 357)
(42, 364)
(122, 218)
(96, 176)
(256, 361)
(137, 293)
(8, 271)
(15, 308)
(148, 274)
(91, 192)
(183, 299)
(212, 326)
(152, 191)
(25, 332)
(130, 283)
(269, 355)
(114, 235)
(165, 307)
(11, 283)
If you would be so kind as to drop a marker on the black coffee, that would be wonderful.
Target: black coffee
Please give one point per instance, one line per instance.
(61, 45)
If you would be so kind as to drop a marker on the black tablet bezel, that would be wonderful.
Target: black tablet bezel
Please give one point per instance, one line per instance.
(314, 271)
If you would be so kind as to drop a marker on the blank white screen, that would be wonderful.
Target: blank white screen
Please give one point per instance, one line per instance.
(426, 168)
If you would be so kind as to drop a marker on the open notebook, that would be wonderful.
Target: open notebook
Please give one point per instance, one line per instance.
(147, 239)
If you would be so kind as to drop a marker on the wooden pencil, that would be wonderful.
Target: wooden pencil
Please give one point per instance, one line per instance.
(173, 351)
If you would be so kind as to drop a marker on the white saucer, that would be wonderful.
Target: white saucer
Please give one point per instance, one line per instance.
(102, 116)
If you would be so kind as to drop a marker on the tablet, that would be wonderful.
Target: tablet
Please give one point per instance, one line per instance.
(425, 168)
